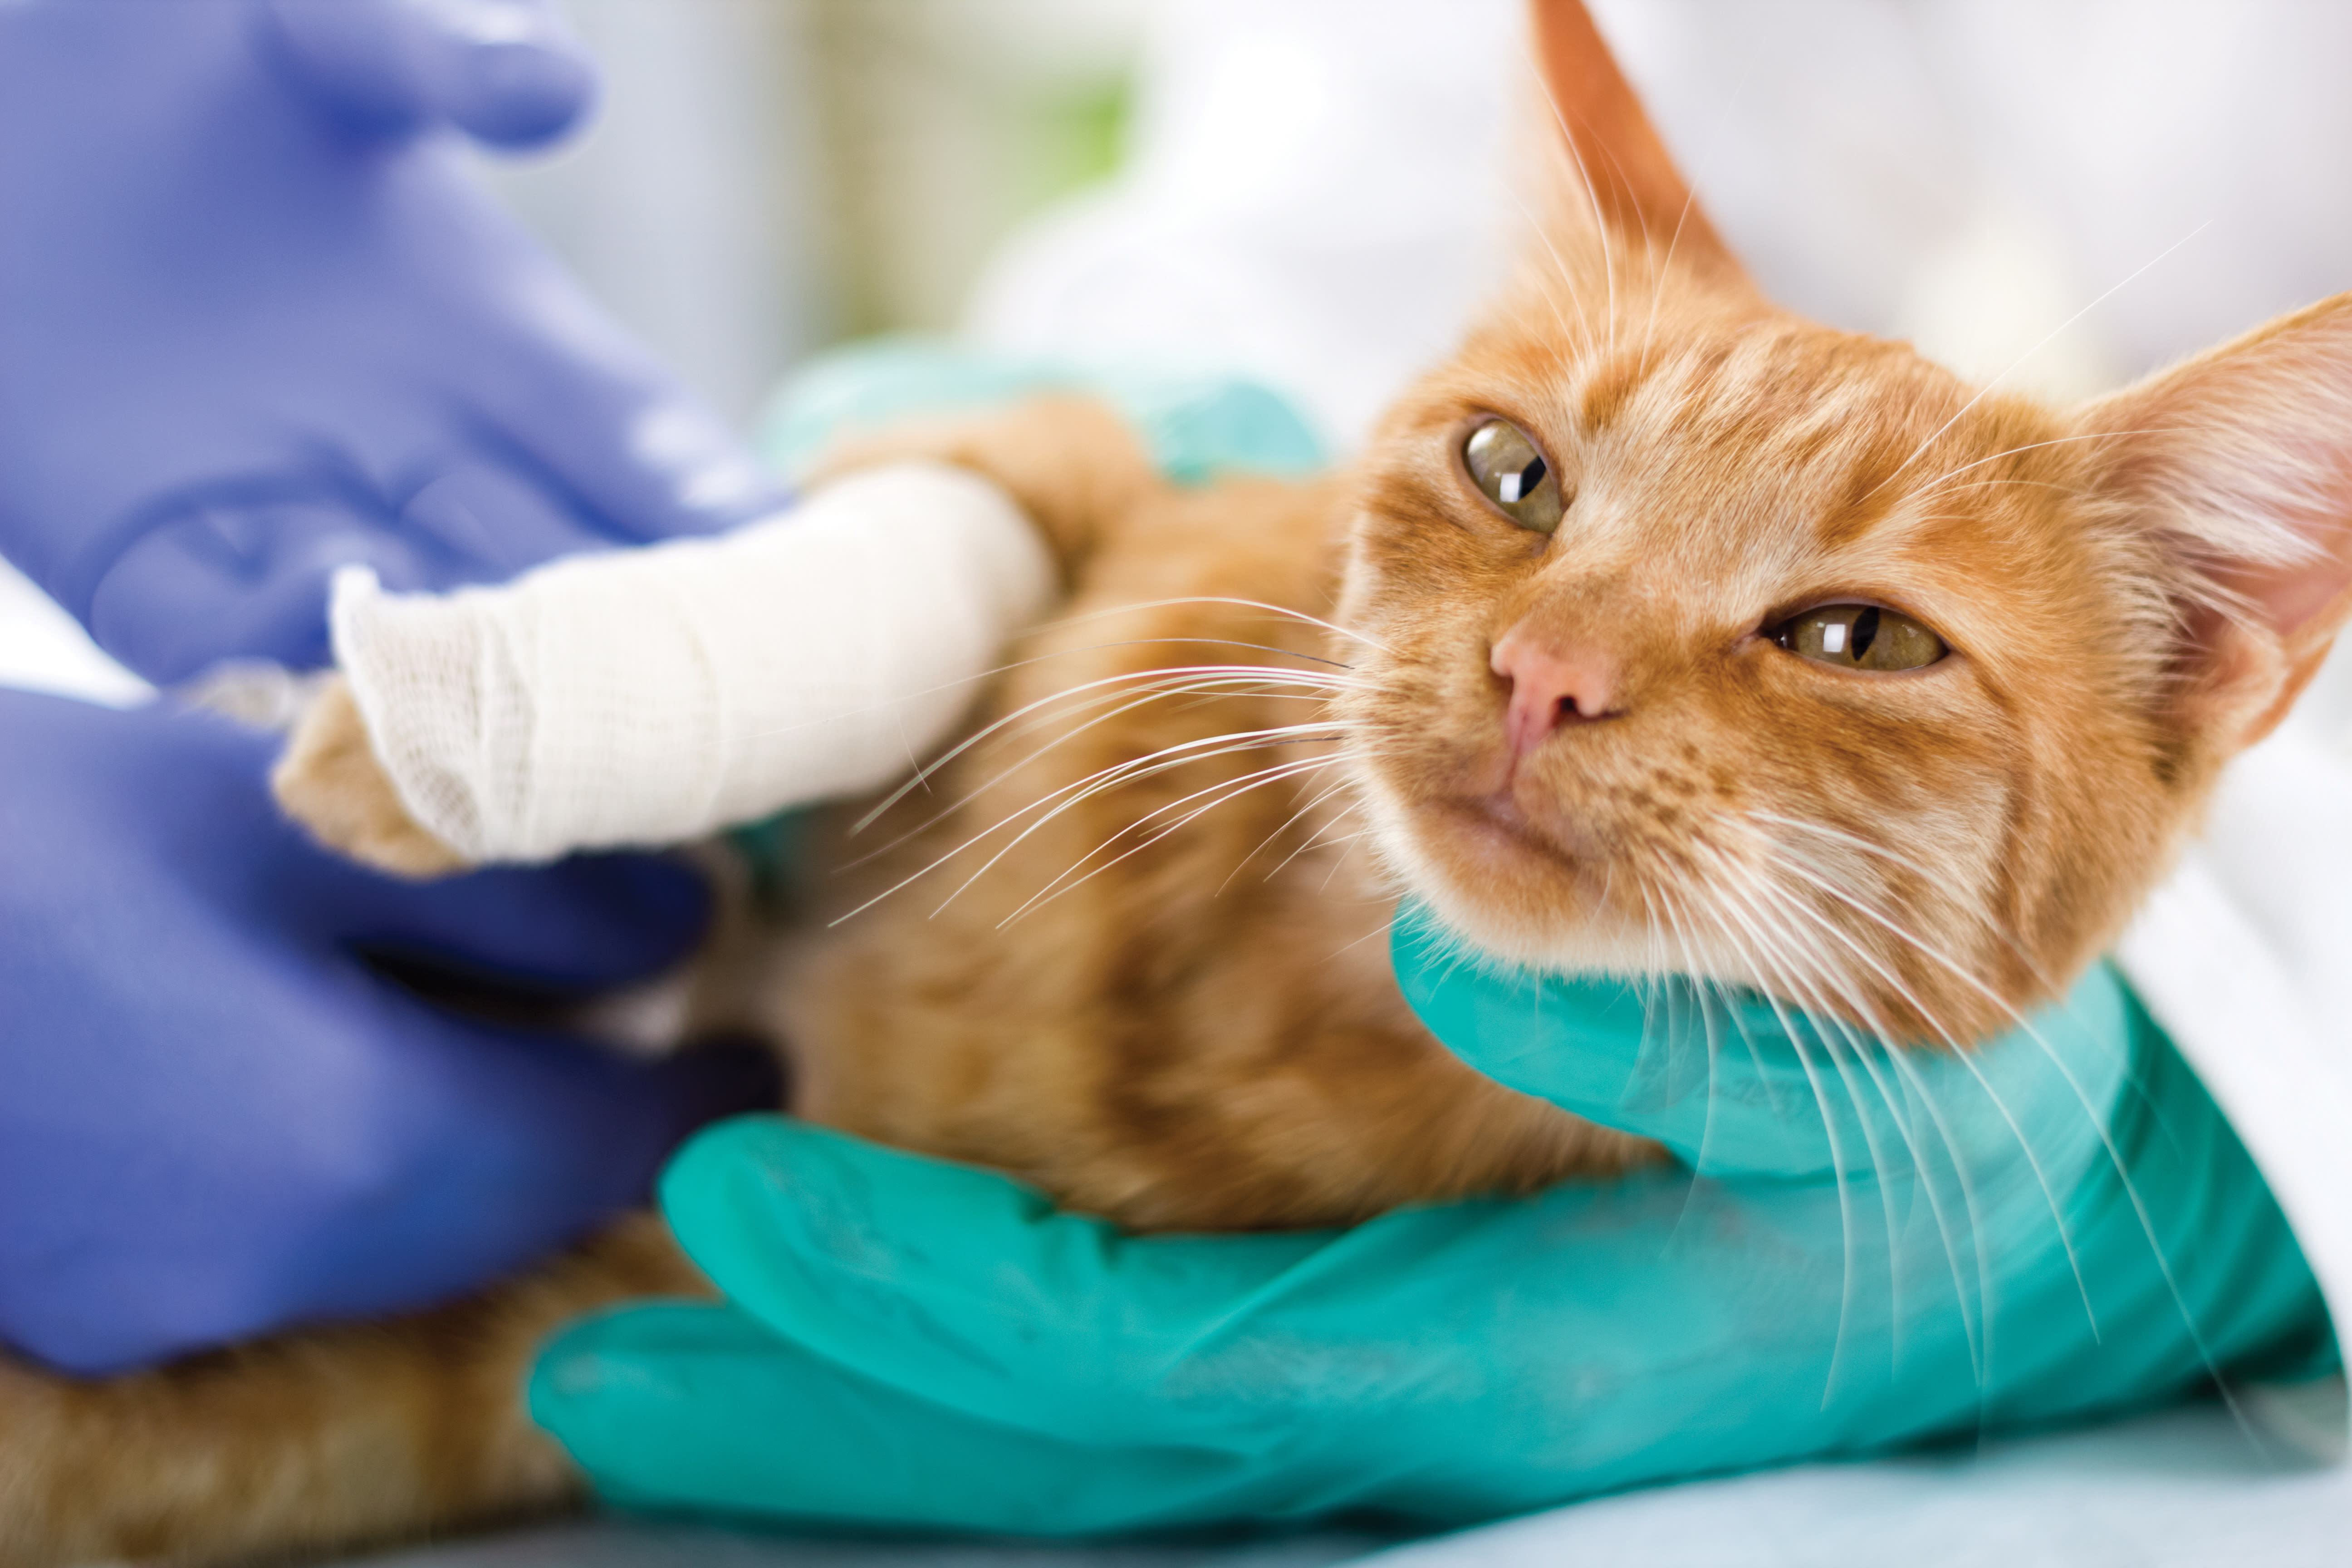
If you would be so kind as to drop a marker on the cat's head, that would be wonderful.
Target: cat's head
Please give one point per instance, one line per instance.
(1701, 638)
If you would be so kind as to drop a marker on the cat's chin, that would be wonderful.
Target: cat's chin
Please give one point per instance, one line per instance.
(1512, 890)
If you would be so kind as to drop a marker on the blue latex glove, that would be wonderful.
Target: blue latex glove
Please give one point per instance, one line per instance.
(215, 1121)
(260, 321)
(1872, 1260)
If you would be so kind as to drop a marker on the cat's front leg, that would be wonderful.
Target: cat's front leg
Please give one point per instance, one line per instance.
(645, 698)
(1070, 462)
(330, 781)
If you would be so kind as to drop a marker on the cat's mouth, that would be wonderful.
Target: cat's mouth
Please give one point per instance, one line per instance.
(1493, 827)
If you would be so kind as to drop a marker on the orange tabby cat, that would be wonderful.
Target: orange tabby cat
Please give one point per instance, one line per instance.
(1666, 625)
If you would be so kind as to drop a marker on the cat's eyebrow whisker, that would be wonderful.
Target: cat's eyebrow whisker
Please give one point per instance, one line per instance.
(1600, 220)
(1649, 253)
(1581, 326)
(1932, 486)
(1988, 484)
(1987, 390)
(1658, 278)
(1690, 202)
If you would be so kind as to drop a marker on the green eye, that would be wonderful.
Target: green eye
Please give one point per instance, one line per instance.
(1860, 636)
(1510, 472)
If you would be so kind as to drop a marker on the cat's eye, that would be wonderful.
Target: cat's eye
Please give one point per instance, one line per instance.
(1509, 471)
(1860, 636)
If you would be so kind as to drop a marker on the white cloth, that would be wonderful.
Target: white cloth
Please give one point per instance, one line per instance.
(2183, 1489)
(648, 697)
(2245, 957)
(1314, 191)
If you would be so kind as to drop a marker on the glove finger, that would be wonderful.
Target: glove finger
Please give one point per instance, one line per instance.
(501, 517)
(700, 1407)
(249, 578)
(505, 71)
(1442, 1333)
(230, 580)
(972, 1289)
(614, 433)
(477, 1148)
(584, 925)
(355, 59)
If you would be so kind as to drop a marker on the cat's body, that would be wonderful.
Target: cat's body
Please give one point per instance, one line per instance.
(1180, 1021)
(1597, 693)
(1173, 1048)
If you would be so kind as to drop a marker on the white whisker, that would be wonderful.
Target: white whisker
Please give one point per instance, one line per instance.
(1987, 390)
(1283, 610)
(1234, 788)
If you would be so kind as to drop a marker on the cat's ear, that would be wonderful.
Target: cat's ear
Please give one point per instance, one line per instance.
(2240, 462)
(1607, 165)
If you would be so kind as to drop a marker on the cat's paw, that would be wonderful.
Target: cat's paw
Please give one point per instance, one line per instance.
(1070, 462)
(331, 782)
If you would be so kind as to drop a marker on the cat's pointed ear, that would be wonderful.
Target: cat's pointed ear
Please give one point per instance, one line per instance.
(1608, 164)
(2240, 462)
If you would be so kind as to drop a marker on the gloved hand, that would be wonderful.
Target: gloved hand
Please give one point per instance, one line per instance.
(1880, 1249)
(261, 322)
(1196, 426)
(215, 1121)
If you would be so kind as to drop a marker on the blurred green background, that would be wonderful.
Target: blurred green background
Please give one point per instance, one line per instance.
(767, 176)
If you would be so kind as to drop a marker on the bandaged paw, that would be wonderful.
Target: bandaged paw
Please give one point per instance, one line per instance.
(652, 696)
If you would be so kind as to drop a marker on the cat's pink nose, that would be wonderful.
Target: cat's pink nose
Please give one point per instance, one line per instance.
(1551, 686)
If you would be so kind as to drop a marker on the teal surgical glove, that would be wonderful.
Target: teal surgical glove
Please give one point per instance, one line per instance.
(1196, 427)
(1861, 1250)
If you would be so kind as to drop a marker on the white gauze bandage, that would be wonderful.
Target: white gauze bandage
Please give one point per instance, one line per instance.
(651, 696)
